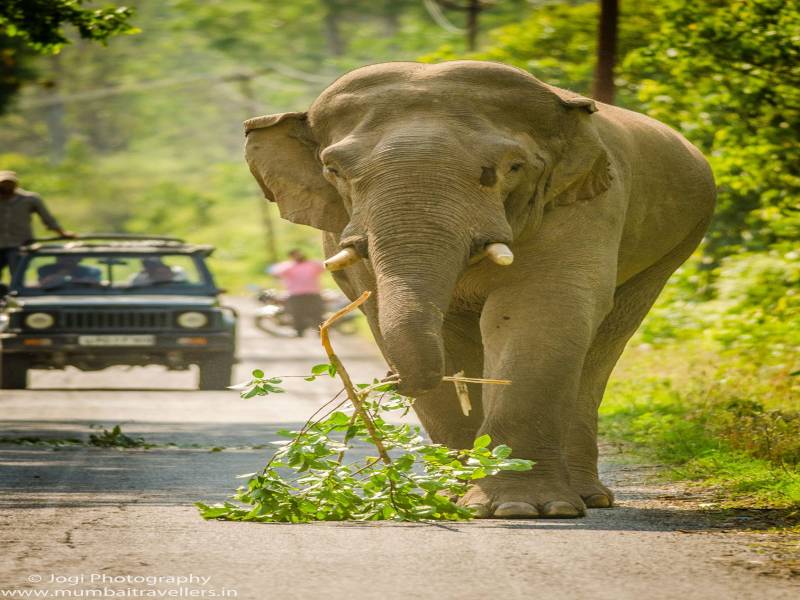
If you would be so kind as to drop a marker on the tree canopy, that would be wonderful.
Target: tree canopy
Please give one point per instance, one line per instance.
(29, 27)
(159, 113)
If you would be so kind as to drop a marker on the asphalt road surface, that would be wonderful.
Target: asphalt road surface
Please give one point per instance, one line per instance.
(122, 521)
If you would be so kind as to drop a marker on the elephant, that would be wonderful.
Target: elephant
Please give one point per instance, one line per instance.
(508, 229)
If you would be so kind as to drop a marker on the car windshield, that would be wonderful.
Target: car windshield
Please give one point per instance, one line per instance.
(98, 273)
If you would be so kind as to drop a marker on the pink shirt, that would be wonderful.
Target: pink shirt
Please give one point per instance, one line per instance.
(299, 277)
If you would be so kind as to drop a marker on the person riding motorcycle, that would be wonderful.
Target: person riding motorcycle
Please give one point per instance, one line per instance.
(301, 278)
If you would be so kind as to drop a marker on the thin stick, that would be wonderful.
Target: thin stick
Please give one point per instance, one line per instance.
(459, 378)
(352, 394)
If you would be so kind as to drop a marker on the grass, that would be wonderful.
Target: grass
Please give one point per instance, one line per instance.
(722, 423)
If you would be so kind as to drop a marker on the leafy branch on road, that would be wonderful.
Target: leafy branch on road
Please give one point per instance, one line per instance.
(115, 438)
(309, 478)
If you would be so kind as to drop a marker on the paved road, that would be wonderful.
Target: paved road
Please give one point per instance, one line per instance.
(86, 518)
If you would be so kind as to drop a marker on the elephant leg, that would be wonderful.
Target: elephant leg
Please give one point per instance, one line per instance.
(539, 342)
(632, 301)
(582, 448)
(439, 410)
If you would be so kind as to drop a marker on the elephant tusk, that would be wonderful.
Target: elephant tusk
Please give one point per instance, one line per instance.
(342, 259)
(500, 254)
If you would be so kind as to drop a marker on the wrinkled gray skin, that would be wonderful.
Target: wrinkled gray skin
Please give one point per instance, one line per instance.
(418, 167)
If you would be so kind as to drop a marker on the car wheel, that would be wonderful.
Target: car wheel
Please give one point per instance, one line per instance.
(215, 373)
(13, 373)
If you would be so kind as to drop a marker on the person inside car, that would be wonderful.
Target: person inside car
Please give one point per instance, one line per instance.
(67, 270)
(155, 271)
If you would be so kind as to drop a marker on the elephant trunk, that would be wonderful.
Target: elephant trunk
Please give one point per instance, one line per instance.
(416, 269)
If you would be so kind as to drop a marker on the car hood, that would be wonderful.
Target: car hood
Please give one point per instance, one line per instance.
(116, 301)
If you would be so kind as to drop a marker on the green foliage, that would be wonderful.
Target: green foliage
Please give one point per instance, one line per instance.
(30, 27)
(712, 387)
(754, 313)
(40, 22)
(724, 421)
(16, 60)
(727, 74)
(311, 479)
(557, 43)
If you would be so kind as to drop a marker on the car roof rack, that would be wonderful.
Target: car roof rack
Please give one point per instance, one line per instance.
(118, 242)
(110, 236)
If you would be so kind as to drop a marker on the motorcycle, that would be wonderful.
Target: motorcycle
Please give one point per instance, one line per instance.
(274, 318)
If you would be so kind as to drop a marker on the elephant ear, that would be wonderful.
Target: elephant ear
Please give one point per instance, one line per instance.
(583, 170)
(283, 158)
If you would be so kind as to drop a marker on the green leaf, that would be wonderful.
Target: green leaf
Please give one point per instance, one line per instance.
(351, 432)
(321, 369)
(212, 512)
(386, 387)
(338, 418)
(258, 374)
(501, 451)
(482, 442)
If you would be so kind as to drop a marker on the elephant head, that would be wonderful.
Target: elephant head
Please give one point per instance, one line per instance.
(419, 168)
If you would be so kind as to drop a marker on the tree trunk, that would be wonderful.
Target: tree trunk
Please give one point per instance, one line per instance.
(391, 17)
(336, 45)
(603, 88)
(473, 11)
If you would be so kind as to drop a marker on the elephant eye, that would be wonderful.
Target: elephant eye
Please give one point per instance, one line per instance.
(515, 167)
(330, 170)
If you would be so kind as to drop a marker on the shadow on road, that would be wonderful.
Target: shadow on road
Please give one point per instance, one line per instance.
(78, 476)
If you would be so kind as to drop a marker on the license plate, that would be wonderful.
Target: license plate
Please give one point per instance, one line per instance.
(117, 340)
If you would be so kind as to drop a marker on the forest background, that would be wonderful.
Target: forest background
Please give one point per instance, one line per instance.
(144, 135)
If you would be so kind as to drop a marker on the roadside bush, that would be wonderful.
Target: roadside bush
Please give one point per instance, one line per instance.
(733, 426)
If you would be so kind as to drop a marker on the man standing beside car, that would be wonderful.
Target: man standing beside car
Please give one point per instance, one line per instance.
(16, 207)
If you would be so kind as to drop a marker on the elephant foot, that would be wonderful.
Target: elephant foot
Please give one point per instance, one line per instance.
(523, 496)
(593, 492)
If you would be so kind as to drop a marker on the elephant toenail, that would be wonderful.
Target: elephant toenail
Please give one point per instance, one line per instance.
(597, 501)
(515, 510)
(480, 511)
(559, 508)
